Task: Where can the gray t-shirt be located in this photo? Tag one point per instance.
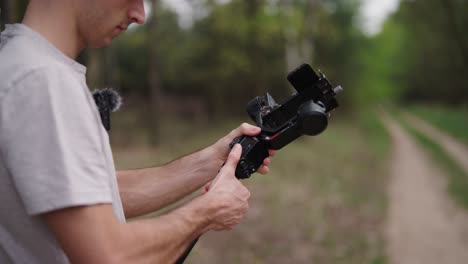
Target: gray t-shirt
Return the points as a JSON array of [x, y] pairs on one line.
[[54, 151]]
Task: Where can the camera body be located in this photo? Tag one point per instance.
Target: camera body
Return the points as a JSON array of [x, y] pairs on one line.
[[304, 113]]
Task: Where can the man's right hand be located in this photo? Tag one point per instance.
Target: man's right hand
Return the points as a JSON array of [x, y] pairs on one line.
[[228, 194]]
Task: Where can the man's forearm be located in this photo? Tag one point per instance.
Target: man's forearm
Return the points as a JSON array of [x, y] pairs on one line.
[[174, 233], [146, 190], [92, 234]]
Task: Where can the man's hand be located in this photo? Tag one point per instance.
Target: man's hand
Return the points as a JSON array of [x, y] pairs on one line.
[[222, 146], [228, 193]]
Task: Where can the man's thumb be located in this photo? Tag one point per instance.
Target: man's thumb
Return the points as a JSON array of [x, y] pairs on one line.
[[233, 158]]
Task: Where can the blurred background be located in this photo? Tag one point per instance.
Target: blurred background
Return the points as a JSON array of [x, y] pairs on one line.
[[188, 73]]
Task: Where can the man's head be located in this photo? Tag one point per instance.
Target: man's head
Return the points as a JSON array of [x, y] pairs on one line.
[[73, 25], [99, 21]]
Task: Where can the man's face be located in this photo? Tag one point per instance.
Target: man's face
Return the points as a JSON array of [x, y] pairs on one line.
[[100, 21]]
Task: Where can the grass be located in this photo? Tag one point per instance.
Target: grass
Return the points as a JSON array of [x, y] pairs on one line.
[[323, 202], [376, 133], [458, 180], [452, 121]]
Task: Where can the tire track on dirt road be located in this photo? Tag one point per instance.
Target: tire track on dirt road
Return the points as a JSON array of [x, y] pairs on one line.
[[455, 149], [423, 225]]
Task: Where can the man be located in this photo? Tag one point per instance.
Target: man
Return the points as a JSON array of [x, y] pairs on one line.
[[62, 200]]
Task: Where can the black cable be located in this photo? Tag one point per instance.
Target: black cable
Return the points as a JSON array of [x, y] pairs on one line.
[[182, 258]]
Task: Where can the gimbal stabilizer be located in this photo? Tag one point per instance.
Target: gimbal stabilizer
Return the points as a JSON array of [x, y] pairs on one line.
[[304, 113]]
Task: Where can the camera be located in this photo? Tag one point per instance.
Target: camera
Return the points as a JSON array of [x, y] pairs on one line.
[[306, 112]]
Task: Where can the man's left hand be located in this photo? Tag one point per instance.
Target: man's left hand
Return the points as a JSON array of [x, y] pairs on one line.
[[222, 146]]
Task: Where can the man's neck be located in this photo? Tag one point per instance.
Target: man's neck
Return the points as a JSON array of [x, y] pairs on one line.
[[55, 26]]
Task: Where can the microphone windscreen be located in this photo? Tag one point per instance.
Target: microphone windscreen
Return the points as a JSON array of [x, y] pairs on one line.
[[107, 99]]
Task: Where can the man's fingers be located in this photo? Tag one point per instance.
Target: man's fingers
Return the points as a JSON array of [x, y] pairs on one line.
[[272, 152], [249, 130], [246, 129], [263, 169]]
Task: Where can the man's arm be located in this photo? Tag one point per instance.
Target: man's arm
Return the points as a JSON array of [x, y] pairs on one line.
[[92, 234], [147, 190]]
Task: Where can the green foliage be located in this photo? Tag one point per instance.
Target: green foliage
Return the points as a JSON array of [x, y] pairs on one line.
[[239, 55], [375, 132], [383, 66], [421, 55], [338, 41], [11, 11], [131, 52], [438, 66], [131, 60], [452, 121]]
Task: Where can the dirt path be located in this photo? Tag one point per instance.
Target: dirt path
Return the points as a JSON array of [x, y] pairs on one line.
[[456, 150], [424, 225]]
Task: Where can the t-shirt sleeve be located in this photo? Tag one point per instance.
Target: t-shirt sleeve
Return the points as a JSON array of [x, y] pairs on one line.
[[50, 141]]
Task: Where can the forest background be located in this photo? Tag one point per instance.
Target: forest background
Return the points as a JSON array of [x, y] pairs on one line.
[[185, 82]]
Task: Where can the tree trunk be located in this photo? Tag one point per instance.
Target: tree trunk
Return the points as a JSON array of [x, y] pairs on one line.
[[256, 78], [155, 91], [455, 31], [299, 41], [101, 68], [94, 65], [310, 18], [7, 12]]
